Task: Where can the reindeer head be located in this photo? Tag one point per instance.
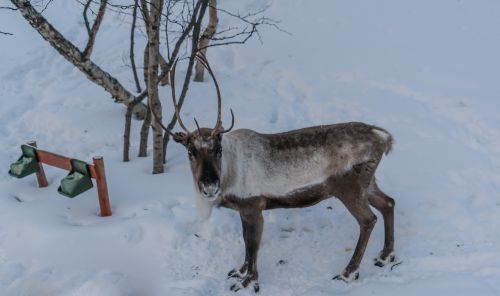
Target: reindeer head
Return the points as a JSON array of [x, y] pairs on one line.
[[204, 145], [205, 156]]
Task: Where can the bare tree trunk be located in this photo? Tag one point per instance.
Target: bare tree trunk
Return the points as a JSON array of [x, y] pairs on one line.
[[71, 53], [126, 134], [143, 144], [153, 24], [145, 62], [146, 124], [205, 38], [164, 68]]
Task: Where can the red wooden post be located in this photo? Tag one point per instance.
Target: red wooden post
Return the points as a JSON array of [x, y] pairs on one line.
[[40, 174], [102, 187]]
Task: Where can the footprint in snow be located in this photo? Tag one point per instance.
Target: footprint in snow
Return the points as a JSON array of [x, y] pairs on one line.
[[133, 234]]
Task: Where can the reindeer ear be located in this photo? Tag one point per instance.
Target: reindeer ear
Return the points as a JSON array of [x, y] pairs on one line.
[[180, 137]]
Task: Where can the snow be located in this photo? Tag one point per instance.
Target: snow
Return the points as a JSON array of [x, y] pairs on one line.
[[427, 71]]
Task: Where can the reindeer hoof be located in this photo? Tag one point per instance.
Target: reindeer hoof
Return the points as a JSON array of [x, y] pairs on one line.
[[241, 285], [249, 280], [237, 273], [234, 273], [353, 276], [380, 262], [256, 288], [235, 287]]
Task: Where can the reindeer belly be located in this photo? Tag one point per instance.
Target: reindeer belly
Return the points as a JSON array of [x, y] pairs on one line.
[[299, 198]]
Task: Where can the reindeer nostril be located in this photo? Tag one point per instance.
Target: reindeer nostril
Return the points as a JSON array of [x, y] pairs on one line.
[[209, 190]]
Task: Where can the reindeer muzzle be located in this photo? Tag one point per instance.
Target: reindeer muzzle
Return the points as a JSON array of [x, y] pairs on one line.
[[210, 191]]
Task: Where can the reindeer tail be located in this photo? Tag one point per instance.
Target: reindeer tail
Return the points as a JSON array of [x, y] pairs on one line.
[[386, 138]]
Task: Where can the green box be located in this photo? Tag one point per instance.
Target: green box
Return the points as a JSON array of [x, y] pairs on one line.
[[26, 165], [77, 181]]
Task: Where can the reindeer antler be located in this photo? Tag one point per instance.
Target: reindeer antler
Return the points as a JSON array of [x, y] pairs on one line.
[[217, 129], [174, 100], [172, 85], [197, 125], [164, 128], [218, 125]]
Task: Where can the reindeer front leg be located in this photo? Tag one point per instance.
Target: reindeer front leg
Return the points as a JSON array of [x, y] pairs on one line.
[[253, 224], [240, 272]]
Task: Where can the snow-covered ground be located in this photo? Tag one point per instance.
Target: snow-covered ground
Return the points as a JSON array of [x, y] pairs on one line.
[[425, 70]]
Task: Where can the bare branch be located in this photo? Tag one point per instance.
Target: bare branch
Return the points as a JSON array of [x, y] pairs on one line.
[[132, 58], [253, 21], [95, 27], [46, 6], [145, 13], [247, 33], [8, 8], [85, 18], [205, 38]]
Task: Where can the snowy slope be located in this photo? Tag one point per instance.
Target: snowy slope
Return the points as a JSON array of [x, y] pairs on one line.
[[425, 70]]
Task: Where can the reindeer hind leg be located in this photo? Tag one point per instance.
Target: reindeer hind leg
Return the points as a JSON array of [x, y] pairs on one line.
[[366, 219], [385, 205]]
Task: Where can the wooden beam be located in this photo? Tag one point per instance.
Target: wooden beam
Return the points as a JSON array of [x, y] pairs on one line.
[[102, 187], [59, 161], [40, 174]]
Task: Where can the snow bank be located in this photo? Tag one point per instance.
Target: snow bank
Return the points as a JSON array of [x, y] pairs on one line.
[[426, 71]]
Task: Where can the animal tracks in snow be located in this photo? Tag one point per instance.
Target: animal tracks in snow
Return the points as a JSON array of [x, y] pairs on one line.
[[131, 233]]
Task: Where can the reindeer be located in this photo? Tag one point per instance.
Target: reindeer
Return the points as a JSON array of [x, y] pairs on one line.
[[251, 172]]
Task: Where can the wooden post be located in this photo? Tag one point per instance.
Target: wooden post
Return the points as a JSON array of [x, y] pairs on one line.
[[102, 187], [40, 174]]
